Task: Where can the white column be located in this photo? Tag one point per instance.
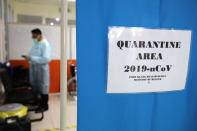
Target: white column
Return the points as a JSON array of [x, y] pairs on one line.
[[64, 37], [70, 42]]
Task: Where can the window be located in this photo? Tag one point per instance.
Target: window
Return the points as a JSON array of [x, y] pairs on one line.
[[56, 21], [72, 22], [29, 19], [52, 21]]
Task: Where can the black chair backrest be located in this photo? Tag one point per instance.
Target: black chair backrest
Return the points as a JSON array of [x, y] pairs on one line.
[[20, 77], [2, 93], [6, 80]]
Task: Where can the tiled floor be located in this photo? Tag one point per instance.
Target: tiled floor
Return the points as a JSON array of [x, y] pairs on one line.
[[52, 117]]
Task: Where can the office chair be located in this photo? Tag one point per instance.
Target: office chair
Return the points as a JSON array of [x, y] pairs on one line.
[[23, 95]]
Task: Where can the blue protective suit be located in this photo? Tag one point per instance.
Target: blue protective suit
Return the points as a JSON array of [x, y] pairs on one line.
[[40, 56]]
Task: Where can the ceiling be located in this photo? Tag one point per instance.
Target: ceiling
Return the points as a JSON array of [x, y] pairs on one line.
[[50, 2]]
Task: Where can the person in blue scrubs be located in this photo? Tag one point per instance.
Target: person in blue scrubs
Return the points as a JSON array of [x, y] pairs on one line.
[[39, 58]]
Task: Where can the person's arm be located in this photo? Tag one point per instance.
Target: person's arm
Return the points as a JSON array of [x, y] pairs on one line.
[[45, 58]]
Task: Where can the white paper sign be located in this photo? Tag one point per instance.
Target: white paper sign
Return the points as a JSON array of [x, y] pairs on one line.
[[147, 60]]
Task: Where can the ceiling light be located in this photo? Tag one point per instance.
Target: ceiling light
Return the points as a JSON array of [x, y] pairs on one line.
[[57, 19], [51, 23]]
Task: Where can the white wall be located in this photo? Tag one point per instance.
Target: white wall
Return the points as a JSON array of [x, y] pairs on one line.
[[73, 42], [20, 40]]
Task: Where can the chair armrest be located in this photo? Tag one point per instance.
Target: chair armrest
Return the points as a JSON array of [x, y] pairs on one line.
[[22, 89]]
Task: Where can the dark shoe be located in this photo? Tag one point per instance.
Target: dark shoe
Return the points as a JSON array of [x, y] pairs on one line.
[[42, 109], [44, 104]]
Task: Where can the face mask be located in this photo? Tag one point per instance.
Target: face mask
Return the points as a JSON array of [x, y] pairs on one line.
[[35, 40]]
